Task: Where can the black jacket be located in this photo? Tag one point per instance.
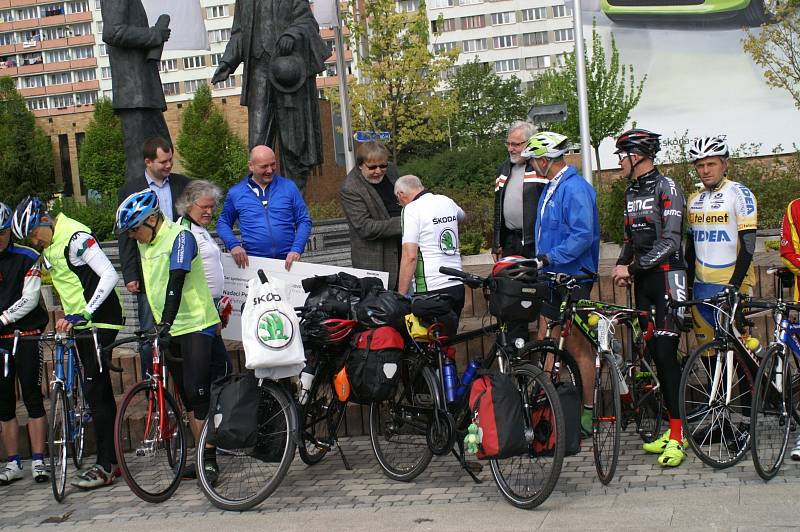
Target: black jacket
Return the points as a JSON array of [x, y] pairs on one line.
[[128, 251], [531, 190]]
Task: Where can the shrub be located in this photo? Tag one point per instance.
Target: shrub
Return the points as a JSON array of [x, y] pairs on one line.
[[99, 216]]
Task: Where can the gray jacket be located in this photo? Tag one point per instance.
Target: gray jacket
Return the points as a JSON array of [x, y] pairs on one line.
[[374, 236]]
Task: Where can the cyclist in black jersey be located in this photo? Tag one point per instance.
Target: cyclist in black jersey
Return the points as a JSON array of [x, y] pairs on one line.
[[652, 259], [20, 281]]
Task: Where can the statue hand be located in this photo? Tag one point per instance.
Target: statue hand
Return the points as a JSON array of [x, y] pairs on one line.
[[164, 33], [222, 73], [285, 45]]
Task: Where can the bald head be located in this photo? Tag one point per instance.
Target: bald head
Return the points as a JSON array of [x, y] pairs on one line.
[[262, 164]]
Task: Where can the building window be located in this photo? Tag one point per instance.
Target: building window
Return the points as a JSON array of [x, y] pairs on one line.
[[36, 103], [85, 52], [57, 56], [30, 82], [227, 84], [506, 17], [440, 4], [191, 86], [534, 39], [80, 6], [561, 11], [504, 41], [469, 2], [215, 59], [537, 63], [89, 74], [103, 50], [78, 30], [98, 5], [216, 11], [59, 78], [474, 45], [219, 35], [31, 59], [27, 13], [169, 65], [564, 35], [171, 89], [105, 72], [196, 61], [51, 10], [506, 65], [6, 39], [475, 21], [61, 101], [85, 98], [55, 32], [534, 13], [443, 25], [442, 47], [407, 6], [99, 26], [7, 15]]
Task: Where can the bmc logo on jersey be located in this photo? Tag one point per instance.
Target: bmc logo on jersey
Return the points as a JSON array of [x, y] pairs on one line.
[[749, 202], [711, 236], [645, 204]]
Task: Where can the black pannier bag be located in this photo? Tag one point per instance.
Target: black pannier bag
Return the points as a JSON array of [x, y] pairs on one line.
[[515, 300], [436, 307], [373, 366], [382, 307], [336, 294], [233, 411]]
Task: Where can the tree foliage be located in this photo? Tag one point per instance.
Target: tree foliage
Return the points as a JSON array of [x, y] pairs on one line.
[[776, 49], [398, 75], [611, 88], [486, 103], [207, 146], [26, 157], [102, 159]]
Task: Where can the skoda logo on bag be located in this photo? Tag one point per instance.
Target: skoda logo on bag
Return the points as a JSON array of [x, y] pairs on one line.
[[275, 329]]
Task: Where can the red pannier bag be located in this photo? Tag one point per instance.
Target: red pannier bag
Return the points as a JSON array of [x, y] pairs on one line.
[[497, 411]]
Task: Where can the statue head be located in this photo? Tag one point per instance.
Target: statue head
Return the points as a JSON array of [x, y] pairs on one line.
[[287, 73]]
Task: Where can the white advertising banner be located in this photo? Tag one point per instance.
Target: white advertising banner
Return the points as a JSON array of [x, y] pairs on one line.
[[186, 23], [236, 283]]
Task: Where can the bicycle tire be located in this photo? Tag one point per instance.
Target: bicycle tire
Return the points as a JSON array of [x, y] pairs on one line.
[[146, 456], [606, 419], [317, 420], [771, 413], [249, 475], [717, 432], [648, 402], [58, 440], [80, 415], [398, 426], [517, 477], [569, 371]]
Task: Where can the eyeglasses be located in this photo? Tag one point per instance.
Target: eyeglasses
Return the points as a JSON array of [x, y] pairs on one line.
[[516, 145], [382, 166], [622, 156], [205, 207]]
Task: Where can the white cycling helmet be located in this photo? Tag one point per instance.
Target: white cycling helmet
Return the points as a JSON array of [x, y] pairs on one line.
[[5, 217], [708, 147], [546, 145]]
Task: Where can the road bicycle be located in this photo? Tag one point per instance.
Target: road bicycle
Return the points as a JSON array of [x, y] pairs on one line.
[[151, 427], [776, 394]]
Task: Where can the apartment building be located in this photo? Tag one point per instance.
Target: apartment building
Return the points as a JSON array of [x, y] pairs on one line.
[[516, 37]]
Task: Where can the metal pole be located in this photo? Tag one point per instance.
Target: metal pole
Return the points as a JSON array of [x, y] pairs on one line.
[[583, 104], [344, 99]]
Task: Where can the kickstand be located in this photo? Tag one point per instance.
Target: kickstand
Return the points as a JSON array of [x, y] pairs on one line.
[[344, 458], [461, 457]]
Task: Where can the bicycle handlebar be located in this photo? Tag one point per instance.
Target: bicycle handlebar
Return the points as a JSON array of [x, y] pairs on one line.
[[469, 279]]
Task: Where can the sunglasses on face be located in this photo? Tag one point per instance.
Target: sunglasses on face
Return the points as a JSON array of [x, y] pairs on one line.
[[382, 166]]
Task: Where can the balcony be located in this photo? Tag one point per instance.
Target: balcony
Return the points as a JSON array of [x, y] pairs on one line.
[[84, 16], [22, 3], [33, 91], [83, 63], [81, 86], [6, 26], [30, 69], [8, 49], [49, 44], [20, 47], [7, 71], [30, 23], [80, 39]]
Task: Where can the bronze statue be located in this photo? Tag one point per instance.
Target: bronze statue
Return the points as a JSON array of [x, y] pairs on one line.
[[278, 41]]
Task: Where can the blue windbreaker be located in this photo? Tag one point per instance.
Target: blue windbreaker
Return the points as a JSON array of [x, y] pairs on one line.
[[569, 232], [272, 232]]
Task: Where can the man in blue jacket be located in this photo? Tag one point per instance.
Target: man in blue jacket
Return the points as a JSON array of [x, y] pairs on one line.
[[273, 218], [567, 241]]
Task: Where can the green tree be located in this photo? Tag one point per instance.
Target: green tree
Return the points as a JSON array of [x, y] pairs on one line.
[[776, 49], [208, 148], [26, 157], [102, 159], [611, 88], [398, 76], [486, 102]]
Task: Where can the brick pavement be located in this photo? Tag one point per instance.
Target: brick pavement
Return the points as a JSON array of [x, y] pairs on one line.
[[328, 486]]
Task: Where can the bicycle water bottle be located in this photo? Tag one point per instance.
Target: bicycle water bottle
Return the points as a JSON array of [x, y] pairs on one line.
[[467, 378], [306, 377], [754, 346], [449, 380]]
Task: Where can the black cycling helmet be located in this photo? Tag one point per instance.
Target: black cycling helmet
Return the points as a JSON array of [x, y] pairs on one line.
[[639, 141]]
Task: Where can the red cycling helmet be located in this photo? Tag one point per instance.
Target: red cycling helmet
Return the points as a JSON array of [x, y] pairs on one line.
[[515, 267], [338, 330]]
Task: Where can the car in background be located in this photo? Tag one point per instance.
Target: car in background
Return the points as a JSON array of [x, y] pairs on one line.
[[750, 12]]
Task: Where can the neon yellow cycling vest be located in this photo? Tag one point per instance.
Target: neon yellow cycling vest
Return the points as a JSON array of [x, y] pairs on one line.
[[197, 310], [75, 284]]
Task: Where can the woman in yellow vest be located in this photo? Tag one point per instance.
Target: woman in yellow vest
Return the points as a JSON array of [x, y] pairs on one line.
[[85, 280], [179, 297]]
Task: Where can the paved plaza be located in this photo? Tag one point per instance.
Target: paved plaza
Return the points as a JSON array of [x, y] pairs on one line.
[[329, 497]]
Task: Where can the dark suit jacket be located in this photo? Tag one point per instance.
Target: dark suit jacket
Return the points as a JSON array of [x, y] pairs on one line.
[[374, 236], [128, 250], [135, 82]]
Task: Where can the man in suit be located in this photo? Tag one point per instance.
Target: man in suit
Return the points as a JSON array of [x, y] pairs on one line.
[[138, 98], [373, 213], [157, 175], [278, 41]]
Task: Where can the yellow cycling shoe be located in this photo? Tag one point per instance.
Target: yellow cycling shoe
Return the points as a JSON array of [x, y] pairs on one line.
[[673, 455], [658, 445]]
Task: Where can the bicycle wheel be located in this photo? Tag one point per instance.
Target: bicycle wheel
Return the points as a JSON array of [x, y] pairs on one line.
[[542, 356], [606, 418], [648, 402], [320, 419], [398, 426], [714, 402], [772, 412], [150, 444], [80, 418], [58, 440], [527, 481], [249, 475]]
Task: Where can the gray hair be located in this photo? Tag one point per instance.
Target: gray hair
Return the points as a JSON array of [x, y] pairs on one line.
[[196, 189], [527, 128], [407, 183]]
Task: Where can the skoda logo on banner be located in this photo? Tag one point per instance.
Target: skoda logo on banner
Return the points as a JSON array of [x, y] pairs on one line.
[[275, 329]]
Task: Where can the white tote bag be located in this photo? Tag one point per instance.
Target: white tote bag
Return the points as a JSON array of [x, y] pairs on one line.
[[271, 331]]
